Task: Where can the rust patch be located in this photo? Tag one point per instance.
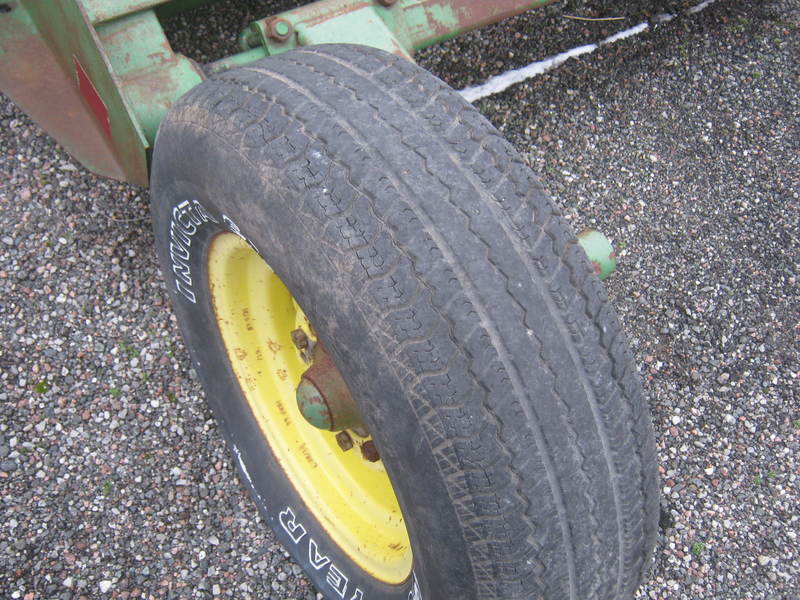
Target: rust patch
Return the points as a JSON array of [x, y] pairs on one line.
[[34, 79], [282, 374], [274, 346], [248, 320], [281, 408], [307, 455], [240, 353]]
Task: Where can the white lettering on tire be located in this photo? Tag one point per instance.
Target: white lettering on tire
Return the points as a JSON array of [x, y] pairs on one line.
[[186, 217], [334, 577], [295, 530]]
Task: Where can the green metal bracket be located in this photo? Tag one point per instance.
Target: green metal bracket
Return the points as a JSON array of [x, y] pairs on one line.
[[152, 76]]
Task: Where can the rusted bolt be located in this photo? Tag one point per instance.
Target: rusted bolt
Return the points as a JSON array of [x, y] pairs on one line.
[[251, 39], [299, 339], [369, 451], [386, 2], [344, 440], [279, 29]]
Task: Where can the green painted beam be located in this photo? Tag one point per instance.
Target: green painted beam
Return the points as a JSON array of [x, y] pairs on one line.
[[401, 27], [101, 11]]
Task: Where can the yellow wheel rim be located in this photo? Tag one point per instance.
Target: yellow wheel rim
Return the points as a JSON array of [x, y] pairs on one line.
[[352, 498]]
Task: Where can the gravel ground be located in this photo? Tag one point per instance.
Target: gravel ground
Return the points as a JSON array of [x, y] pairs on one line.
[[681, 144]]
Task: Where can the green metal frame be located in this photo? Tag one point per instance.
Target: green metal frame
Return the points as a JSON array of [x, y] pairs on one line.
[[99, 75], [95, 76], [400, 26]]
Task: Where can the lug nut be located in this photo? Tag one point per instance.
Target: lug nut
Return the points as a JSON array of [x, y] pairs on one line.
[[299, 339], [369, 451], [344, 440]]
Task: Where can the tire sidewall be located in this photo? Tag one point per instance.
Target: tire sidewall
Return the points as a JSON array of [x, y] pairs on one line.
[[214, 189]]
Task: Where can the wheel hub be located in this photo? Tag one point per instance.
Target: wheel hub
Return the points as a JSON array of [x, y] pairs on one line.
[[323, 397]]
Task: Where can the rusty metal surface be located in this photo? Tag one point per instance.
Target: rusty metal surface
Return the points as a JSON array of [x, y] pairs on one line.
[[152, 77], [101, 92], [114, 82], [427, 22], [323, 397], [33, 78], [66, 36]]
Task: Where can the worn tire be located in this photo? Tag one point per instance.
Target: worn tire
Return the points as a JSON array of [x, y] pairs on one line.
[[478, 343]]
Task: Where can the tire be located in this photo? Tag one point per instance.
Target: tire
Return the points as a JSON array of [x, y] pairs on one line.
[[473, 334]]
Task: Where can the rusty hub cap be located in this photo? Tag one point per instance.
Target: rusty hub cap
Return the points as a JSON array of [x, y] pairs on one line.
[[322, 395]]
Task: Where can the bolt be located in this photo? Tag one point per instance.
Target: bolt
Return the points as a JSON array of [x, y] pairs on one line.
[[369, 451], [300, 339], [386, 2], [344, 440], [279, 29]]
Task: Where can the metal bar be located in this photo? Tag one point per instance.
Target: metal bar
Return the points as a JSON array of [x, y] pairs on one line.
[[428, 22], [400, 26], [101, 11]]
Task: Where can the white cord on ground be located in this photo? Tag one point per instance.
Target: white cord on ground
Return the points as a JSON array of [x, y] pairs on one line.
[[699, 7], [502, 82]]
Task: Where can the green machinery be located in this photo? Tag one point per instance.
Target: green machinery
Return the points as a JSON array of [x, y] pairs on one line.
[[486, 351], [99, 75]]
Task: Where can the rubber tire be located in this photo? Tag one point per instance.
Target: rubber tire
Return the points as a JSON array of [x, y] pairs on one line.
[[478, 343]]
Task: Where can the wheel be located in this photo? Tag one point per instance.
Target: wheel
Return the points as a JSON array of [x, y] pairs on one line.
[[336, 222]]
